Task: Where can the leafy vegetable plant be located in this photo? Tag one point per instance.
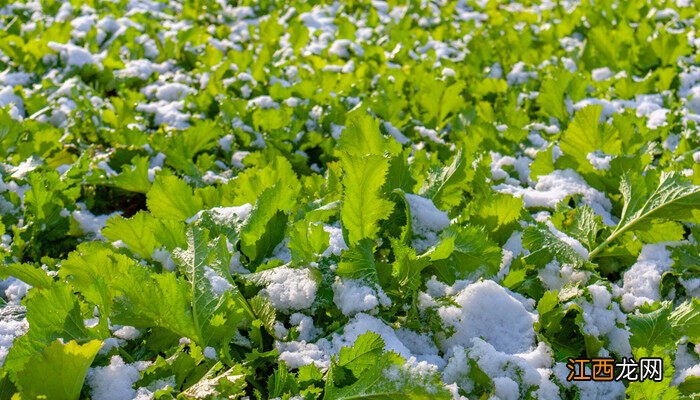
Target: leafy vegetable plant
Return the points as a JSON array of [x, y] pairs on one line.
[[204, 199]]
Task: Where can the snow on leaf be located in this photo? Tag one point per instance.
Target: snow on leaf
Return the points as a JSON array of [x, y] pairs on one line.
[[544, 246], [209, 310]]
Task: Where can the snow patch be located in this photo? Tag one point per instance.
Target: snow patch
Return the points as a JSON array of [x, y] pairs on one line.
[[552, 188], [116, 380], [640, 283], [427, 221], [289, 288], [489, 311], [353, 296]]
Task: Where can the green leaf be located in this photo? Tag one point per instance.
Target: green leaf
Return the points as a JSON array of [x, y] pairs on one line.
[[136, 232], [250, 184], [690, 386], [307, 240], [552, 92], [665, 325], [266, 120], [673, 199], [559, 323], [358, 262], [650, 389], [148, 300], [660, 231], [687, 258], [134, 177], [171, 198], [58, 371], [44, 203], [651, 329], [309, 373], [169, 232], [361, 136], [10, 131], [451, 101], [399, 175], [281, 382], [363, 354], [264, 311], [446, 189], [685, 320], [63, 321], [212, 313], [490, 85], [407, 267], [543, 164], [586, 226], [27, 273], [93, 270], [585, 134], [669, 47], [544, 246], [363, 207], [474, 255], [498, 213], [181, 149], [369, 366], [374, 384], [265, 226]]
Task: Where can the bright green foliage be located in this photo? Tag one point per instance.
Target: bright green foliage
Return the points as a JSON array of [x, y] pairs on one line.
[[586, 226], [28, 274], [673, 199], [137, 232], [652, 329], [466, 252], [306, 240], [95, 271], [134, 178], [650, 389], [266, 225], [363, 207], [213, 315], [553, 93], [362, 372], [447, 188], [586, 134], [544, 246], [64, 321], [154, 300], [358, 262], [171, 198], [297, 199], [361, 136], [58, 371]]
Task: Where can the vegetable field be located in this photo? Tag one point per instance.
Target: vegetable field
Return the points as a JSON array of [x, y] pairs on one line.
[[202, 199]]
